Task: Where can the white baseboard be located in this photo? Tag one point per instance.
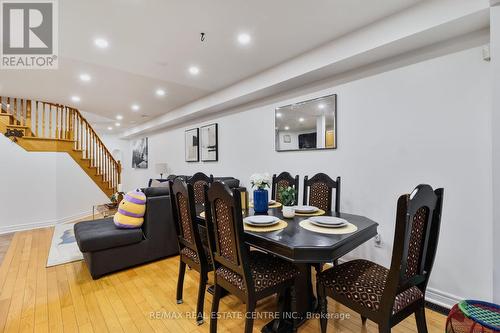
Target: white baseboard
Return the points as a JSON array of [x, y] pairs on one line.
[[441, 298], [44, 224]]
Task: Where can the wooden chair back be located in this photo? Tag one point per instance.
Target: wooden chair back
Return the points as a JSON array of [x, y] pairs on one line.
[[318, 192], [282, 181], [418, 222], [225, 231], [199, 180], [184, 213]]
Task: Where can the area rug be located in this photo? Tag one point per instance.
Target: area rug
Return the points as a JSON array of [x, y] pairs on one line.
[[63, 248]]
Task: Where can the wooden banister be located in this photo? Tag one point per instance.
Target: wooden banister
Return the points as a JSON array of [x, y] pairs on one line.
[[55, 121]]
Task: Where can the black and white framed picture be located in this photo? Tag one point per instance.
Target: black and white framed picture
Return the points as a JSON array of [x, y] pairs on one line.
[[209, 143], [140, 153], [192, 145]]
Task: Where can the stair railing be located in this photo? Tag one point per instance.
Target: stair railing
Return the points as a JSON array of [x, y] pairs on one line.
[[60, 122]]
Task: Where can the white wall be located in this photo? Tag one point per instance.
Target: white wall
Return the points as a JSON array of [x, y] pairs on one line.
[[41, 189], [425, 123], [495, 75]]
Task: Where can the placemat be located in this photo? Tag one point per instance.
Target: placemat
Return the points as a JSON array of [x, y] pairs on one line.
[[350, 228], [278, 226], [274, 205], [318, 213]]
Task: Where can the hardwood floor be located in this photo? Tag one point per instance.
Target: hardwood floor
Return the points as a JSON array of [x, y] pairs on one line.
[[65, 298], [4, 244]]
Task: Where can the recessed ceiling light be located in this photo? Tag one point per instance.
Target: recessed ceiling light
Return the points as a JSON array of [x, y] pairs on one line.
[[244, 39], [119, 117], [193, 70], [160, 92], [321, 106], [135, 107], [278, 115], [110, 128], [101, 43], [85, 77], [75, 99], [301, 119], [287, 128], [117, 124]]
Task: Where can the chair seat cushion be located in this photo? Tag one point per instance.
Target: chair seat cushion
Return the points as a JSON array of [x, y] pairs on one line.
[[191, 254], [102, 234], [363, 281], [267, 271]]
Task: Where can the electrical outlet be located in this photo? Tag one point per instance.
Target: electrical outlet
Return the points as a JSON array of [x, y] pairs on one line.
[[378, 240]]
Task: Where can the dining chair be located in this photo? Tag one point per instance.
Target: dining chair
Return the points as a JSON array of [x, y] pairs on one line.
[[318, 192], [199, 180], [283, 181], [249, 275], [191, 249], [387, 296]]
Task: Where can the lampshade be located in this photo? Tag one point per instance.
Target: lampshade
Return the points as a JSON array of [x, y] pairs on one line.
[[161, 168]]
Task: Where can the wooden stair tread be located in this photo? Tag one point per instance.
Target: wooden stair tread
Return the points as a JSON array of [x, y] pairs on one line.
[[48, 139], [18, 126]]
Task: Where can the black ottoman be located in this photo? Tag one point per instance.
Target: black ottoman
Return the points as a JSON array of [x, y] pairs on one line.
[[108, 249], [102, 234]]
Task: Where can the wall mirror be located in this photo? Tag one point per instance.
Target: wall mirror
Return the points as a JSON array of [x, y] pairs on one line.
[[307, 125]]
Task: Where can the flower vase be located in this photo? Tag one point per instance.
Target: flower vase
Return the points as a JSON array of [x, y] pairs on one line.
[[260, 201]]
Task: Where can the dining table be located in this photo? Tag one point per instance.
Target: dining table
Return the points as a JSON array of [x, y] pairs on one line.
[[306, 249]]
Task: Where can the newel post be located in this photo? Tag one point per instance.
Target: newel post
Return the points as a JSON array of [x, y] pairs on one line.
[[119, 172]]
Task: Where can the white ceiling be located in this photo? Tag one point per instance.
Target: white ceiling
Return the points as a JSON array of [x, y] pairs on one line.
[[152, 43]]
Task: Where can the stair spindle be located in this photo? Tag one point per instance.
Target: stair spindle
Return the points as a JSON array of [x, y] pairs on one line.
[[28, 115], [50, 121], [36, 118], [101, 157], [15, 109]]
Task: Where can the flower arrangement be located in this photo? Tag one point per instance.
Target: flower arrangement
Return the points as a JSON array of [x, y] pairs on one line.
[[116, 197], [287, 196], [260, 181]]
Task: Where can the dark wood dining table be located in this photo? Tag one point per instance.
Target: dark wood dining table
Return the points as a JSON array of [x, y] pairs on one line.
[[307, 249]]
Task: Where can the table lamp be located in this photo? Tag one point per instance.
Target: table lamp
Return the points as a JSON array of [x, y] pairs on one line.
[[161, 168]]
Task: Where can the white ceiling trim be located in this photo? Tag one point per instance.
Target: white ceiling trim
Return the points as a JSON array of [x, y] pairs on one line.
[[418, 27]]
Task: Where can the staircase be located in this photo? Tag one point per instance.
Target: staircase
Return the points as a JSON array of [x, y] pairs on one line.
[[48, 127]]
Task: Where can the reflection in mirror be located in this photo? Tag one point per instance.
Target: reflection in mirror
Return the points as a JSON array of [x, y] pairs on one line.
[[307, 125]]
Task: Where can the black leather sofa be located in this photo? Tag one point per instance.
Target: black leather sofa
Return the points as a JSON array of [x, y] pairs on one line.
[[107, 249], [229, 181]]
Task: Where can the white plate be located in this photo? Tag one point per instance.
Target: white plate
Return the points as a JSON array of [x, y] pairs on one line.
[[306, 209], [328, 220], [328, 225], [262, 224], [261, 219]]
